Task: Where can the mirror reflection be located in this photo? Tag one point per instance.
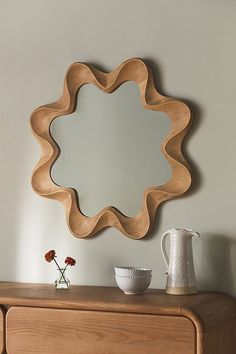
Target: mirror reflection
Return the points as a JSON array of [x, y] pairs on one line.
[[110, 149]]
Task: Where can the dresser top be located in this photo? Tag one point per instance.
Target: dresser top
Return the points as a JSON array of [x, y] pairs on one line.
[[202, 308]]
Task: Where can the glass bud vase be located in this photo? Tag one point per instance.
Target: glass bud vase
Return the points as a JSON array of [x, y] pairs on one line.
[[62, 282]]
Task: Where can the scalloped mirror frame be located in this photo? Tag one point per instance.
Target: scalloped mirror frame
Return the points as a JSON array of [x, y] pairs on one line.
[[80, 74]]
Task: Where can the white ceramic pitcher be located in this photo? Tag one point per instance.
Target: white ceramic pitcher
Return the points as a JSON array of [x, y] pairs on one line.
[[180, 269]]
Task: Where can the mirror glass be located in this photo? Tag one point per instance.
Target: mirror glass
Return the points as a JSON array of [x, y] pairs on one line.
[[110, 149]]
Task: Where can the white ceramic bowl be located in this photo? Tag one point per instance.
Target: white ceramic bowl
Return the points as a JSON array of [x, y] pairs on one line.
[[132, 280]]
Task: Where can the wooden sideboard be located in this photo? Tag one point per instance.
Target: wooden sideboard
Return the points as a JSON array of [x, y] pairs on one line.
[[38, 319]]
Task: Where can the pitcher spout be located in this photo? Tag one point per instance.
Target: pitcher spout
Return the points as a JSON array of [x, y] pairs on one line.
[[192, 232]]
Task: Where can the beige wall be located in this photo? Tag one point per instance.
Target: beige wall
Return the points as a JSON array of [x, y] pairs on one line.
[[192, 43]]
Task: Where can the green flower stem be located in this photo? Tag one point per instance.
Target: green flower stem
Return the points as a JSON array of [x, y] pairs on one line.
[[62, 273]]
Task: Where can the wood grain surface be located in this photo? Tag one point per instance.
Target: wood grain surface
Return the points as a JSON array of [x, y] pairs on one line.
[[219, 340], [51, 331], [213, 315], [206, 309], [140, 225]]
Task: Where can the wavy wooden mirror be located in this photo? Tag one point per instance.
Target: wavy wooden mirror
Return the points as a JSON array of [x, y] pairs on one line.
[[85, 178]]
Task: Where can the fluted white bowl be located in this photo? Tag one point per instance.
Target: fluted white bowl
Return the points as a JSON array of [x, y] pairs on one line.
[[132, 280]]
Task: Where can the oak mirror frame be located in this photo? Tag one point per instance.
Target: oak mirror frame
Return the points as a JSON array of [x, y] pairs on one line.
[[78, 75]]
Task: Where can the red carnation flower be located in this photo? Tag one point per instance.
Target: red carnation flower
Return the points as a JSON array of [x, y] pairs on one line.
[[70, 261], [50, 255]]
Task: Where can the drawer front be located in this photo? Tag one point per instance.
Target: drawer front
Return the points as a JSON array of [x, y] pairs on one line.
[[55, 331], [1, 330]]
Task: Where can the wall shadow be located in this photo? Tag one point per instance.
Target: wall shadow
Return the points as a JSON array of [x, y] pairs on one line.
[[216, 268]]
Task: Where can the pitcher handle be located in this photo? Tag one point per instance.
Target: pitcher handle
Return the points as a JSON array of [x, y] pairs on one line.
[[163, 250]]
